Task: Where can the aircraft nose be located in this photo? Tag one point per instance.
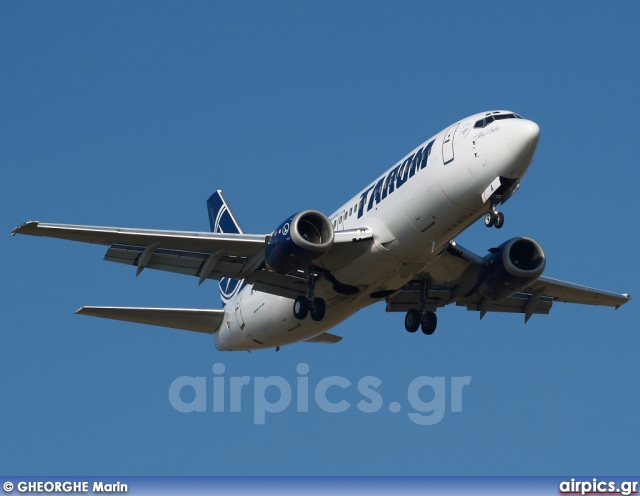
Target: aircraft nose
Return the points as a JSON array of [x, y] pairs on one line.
[[522, 137]]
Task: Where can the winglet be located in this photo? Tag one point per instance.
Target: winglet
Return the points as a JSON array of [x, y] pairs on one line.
[[627, 296], [25, 228]]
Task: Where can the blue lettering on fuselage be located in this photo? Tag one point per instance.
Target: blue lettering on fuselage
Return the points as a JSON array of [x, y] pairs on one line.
[[394, 179]]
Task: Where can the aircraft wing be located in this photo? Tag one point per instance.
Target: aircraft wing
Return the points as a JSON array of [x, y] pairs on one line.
[[453, 280], [204, 255], [568, 292]]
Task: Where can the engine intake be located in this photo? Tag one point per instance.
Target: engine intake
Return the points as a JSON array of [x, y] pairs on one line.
[[511, 267], [299, 241]]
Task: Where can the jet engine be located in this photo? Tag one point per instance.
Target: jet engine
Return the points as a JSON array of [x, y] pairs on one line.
[[511, 267], [299, 241]]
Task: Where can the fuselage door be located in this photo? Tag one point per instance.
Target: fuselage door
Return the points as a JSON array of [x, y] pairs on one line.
[[447, 144]]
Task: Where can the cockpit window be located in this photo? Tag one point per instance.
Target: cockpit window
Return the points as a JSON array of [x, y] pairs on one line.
[[498, 117]]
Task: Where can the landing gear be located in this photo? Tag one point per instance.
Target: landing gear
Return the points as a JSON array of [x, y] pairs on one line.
[[429, 322], [423, 318], [489, 219], [309, 303], [318, 308], [493, 218], [301, 307], [412, 320]]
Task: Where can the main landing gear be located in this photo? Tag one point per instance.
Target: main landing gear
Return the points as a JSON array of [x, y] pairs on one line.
[[423, 318], [304, 305], [426, 319], [493, 218]]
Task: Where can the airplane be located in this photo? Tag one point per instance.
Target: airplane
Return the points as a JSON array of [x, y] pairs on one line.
[[393, 242]]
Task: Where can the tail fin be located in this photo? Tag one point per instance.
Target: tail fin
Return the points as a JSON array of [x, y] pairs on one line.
[[220, 216], [222, 220]]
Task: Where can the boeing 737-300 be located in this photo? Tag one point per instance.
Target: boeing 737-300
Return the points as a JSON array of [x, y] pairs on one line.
[[392, 242]]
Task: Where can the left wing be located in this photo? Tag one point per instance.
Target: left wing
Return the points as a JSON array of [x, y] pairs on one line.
[[454, 278]]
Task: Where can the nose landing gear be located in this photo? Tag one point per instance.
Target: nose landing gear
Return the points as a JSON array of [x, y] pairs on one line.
[[493, 218]]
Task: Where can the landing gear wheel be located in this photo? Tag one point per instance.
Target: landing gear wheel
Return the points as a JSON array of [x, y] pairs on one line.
[[489, 219], [499, 220], [318, 309], [412, 320], [429, 323], [300, 307]]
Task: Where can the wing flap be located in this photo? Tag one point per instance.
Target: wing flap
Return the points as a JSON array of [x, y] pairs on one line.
[[188, 319], [407, 298], [181, 262], [512, 304]]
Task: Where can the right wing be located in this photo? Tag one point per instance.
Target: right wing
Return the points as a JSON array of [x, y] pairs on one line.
[[202, 254], [207, 255]]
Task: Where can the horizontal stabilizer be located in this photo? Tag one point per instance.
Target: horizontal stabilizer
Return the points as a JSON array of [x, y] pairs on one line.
[[325, 337], [188, 319]]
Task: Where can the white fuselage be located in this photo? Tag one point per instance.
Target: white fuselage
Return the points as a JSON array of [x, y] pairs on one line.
[[411, 224]]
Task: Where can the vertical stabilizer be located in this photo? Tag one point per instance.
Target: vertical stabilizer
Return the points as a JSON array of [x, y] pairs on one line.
[[222, 220]]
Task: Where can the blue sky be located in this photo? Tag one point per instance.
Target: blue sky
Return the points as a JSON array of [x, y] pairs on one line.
[[131, 114]]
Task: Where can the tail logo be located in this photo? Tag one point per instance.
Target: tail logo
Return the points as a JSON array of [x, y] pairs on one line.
[[222, 221]]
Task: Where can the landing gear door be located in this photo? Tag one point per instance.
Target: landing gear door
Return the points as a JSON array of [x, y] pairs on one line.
[[447, 144]]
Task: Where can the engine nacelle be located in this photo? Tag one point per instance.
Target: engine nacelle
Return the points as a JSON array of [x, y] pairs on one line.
[[511, 267], [299, 241]]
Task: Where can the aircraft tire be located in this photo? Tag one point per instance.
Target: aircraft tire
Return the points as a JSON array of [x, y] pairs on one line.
[[412, 320], [318, 309], [429, 323], [300, 307], [488, 219]]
